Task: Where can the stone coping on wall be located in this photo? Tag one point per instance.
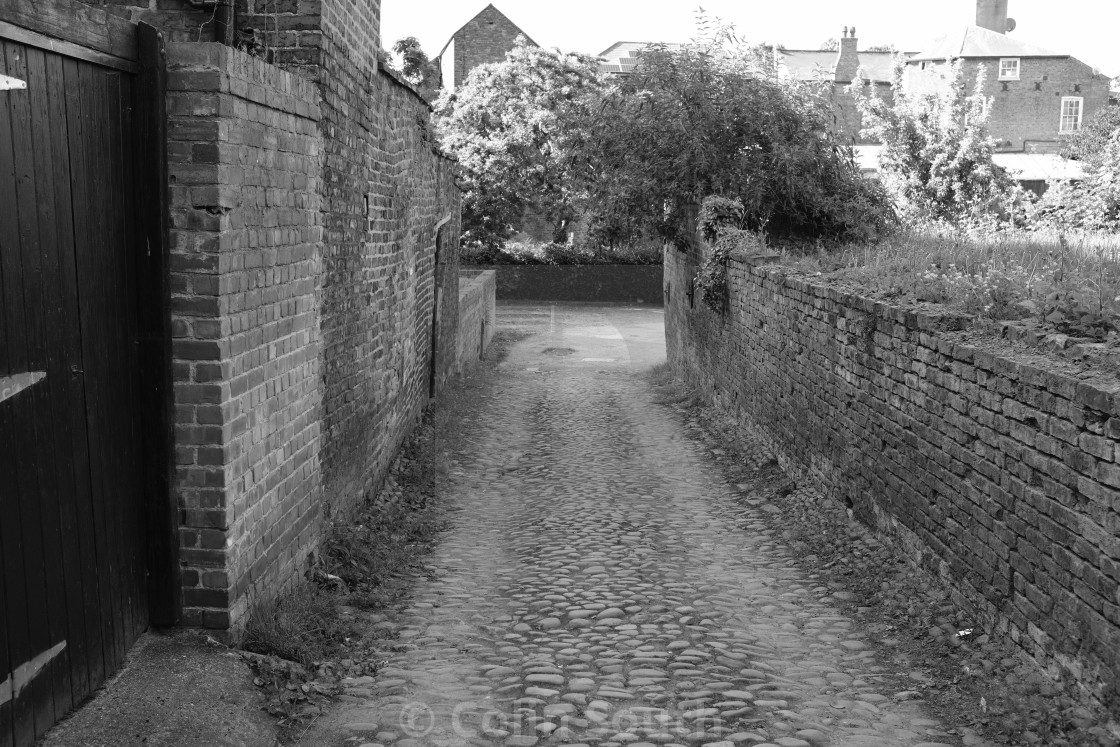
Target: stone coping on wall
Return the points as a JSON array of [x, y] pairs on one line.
[[1077, 358]]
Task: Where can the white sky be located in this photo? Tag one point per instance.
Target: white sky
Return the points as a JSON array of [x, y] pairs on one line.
[[1086, 29]]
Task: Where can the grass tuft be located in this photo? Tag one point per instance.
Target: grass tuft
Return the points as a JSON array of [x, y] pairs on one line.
[[300, 625]]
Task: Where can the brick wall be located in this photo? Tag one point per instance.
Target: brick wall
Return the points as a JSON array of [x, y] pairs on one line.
[[994, 467], [379, 270], [477, 315], [245, 157], [176, 18], [315, 260], [486, 38], [1025, 112]]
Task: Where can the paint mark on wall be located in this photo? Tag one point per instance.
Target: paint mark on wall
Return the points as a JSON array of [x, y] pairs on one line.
[[24, 673]]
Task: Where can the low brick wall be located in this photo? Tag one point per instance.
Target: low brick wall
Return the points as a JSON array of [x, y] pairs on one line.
[[603, 283], [992, 466], [476, 316]]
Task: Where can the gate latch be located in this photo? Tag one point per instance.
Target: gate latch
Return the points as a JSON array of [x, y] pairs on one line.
[[8, 83]]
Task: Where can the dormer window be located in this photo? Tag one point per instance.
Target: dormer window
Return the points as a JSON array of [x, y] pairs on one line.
[[1009, 68]]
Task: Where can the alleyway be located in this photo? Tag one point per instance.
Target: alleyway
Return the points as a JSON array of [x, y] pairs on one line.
[[602, 586]]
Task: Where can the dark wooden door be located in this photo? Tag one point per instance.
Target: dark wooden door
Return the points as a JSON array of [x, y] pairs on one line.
[[73, 565]]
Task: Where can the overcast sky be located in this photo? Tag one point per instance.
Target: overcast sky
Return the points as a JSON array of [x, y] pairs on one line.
[[1087, 29]]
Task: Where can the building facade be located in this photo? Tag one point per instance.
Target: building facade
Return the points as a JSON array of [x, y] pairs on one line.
[[1038, 96], [485, 38]]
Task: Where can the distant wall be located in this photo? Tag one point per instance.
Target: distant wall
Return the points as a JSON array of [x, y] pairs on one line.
[[477, 315], [995, 468], [602, 283]]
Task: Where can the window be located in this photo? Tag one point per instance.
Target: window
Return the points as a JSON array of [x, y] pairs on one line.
[[1071, 113], [1009, 68]]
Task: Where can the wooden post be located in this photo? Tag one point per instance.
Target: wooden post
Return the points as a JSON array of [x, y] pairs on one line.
[[162, 515]]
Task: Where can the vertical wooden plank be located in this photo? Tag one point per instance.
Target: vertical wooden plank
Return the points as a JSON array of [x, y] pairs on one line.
[[11, 630], [120, 415], [66, 390], [82, 181], [154, 298], [52, 457], [34, 708], [93, 295]]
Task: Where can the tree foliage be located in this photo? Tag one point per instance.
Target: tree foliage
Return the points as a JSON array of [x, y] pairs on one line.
[[1092, 139], [1094, 202], [937, 152], [520, 129], [713, 118], [416, 68]]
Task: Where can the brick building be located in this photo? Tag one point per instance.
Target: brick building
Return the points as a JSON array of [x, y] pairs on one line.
[[1038, 95], [485, 38]]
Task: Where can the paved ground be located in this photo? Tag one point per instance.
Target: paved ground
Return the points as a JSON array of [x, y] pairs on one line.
[[602, 586], [175, 690]]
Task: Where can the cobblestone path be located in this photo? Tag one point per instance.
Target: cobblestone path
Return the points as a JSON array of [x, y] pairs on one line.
[[602, 586]]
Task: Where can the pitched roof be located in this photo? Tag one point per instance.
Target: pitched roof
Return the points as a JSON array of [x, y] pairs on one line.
[[490, 6], [622, 57], [976, 41], [807, 64]]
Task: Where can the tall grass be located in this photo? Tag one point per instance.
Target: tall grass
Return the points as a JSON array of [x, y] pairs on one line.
[[1058, 278]]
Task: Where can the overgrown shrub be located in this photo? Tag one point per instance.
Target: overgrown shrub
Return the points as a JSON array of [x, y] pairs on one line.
[[519, 129], [532, 253], [1092, 204], [709, 119], [936, 160]]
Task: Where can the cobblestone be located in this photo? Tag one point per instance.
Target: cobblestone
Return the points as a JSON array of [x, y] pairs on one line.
[[602, 586]]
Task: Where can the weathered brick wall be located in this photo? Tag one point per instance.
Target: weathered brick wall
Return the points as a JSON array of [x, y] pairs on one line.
[[176, 18], [477, 315], [316, 286], [1027, 111], [386, 191], [245, 157], [486, 38], [990, 466]]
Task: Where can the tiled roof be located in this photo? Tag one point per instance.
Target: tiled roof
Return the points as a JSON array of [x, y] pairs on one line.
[[808, 64], [980, 42]]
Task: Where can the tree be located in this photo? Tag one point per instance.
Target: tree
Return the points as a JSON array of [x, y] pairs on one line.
[[1094, 202], [416, 68], [519, 129], [831, 44], [937, 152], [1092, 139], [714, 119]]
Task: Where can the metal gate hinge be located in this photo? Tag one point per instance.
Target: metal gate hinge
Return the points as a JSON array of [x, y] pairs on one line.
[[8, 83]]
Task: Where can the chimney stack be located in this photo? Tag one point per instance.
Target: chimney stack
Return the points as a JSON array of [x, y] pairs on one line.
[[992, 15], [847, 64]]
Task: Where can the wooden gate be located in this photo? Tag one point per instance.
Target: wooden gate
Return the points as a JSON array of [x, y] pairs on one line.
[[82, 398]]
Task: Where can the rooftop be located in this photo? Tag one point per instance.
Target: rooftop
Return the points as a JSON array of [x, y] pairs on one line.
[[809, 64], [980, 42]]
